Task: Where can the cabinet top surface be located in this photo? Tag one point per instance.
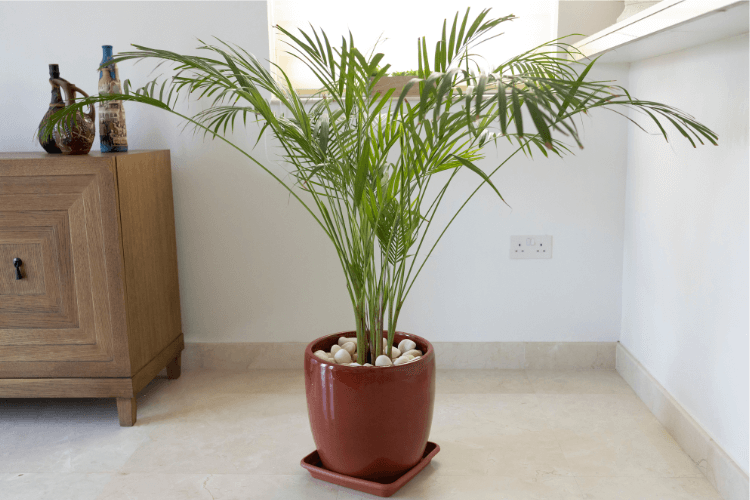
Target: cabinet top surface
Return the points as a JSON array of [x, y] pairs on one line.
[[41, 155]]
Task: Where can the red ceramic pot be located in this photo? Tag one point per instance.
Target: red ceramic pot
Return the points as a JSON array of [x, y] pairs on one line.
[[370, 422]]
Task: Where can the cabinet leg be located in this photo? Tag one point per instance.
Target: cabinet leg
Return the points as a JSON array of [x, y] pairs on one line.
[[126, 410], [174, 368]]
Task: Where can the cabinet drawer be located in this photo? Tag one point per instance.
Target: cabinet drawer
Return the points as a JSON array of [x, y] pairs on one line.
[[44, 297], [62, 225]]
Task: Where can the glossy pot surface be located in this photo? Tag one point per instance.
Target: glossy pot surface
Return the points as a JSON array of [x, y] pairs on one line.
[[370, 422]]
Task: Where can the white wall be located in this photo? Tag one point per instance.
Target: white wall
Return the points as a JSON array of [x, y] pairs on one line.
[[254, 267], [685, 284], [471, 290]]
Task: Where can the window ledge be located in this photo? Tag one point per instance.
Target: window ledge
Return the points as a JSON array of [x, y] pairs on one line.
[[668, 26]]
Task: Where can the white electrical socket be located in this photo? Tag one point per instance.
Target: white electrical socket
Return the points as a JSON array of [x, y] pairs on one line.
[[531, 247]]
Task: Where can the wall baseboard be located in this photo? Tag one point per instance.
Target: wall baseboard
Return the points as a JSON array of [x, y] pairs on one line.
[[721, 471], [450, 355]]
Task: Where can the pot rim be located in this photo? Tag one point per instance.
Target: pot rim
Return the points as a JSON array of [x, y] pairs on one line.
[[426, 356]]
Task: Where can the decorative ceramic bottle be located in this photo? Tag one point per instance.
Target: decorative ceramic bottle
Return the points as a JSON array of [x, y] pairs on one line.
[[113, 136], [77, 136], [55, 104]]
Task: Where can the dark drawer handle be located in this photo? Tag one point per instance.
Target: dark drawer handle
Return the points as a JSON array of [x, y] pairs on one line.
[[17, 263]]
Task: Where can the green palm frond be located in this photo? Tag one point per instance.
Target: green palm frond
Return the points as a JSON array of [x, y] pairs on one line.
[[371, 169]]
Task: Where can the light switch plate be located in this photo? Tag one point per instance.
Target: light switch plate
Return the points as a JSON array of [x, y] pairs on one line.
[[531, 247]]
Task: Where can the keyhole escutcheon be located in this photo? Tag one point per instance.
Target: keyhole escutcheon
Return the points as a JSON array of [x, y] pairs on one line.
[[17, 264]]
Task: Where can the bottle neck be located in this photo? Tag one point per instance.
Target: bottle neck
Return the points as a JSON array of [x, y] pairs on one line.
[[56, 97], [106, 57], [106, 53]]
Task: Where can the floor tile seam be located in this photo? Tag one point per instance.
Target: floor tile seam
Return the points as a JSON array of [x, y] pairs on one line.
[[578, 485], [301, 474], [589, 393], [463, 393], [530, 476], [562, 370], [515, 476], [438, 369], [582, 476], [567, 460], [37, 472], [56, 473]]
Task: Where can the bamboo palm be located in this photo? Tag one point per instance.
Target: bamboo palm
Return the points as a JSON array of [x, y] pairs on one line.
[[372, 170]]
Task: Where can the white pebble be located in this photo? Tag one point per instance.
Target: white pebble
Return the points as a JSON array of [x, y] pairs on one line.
[[395, 353], [383, 360], [402, 360], [406, 345], [350, 346], [415, 358], [322, 355], [367, 364], [343, 357], [414, 352], [354, 364], [344, 340], [335, 349]]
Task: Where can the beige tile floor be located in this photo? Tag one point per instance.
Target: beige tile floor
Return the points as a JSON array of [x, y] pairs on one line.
[[220, 435]]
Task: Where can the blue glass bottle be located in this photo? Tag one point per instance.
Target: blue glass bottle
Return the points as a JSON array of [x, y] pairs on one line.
[[113, 136]]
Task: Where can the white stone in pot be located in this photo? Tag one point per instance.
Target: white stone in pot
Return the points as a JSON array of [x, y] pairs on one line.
[[402, 360], [354, 364], [351, 347], [414, 352], [406, 345], [344, 340], [383, 360], [367, 364], [335, 349], [395, 353], [415, 358], [343, 357], [322, 355]]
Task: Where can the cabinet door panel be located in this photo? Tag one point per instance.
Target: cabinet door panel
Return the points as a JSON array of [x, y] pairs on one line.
[[44, 297], [68, 305]]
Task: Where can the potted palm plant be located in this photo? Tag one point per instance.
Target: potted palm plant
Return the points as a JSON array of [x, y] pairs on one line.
[[372, 169]]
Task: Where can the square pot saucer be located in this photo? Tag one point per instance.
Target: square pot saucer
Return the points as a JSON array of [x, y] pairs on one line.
[[312, 463]]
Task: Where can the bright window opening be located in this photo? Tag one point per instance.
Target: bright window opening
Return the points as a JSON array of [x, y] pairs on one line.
[[399, 23]]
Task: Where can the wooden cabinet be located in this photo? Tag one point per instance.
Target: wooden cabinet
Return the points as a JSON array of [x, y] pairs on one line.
[[96, 311]]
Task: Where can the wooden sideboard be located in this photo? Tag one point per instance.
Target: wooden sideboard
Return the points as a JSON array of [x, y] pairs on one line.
[[96, 311]]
